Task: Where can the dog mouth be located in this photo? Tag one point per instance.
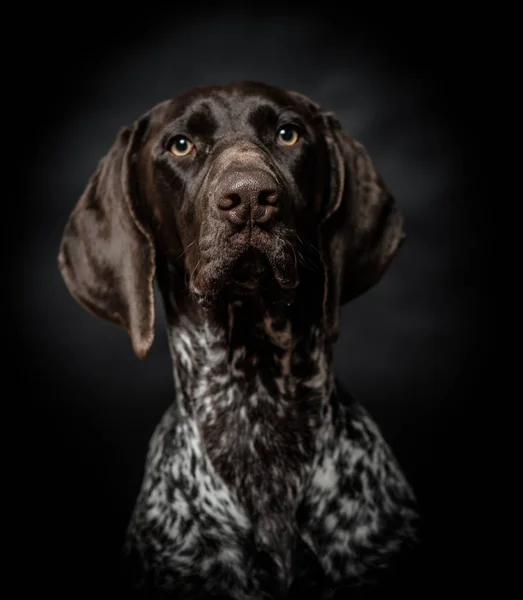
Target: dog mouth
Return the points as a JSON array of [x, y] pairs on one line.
[[247, 263], [251, 272]]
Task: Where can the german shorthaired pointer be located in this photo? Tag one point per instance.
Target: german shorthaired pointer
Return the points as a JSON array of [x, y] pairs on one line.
[[259, 216]]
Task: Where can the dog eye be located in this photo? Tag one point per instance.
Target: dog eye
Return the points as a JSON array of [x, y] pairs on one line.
[[181, 146], [288, 135]]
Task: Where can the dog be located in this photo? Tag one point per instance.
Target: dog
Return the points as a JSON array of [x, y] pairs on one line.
[[259, 216]]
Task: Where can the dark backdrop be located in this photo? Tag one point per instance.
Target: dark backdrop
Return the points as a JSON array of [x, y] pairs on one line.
[[407, 349]]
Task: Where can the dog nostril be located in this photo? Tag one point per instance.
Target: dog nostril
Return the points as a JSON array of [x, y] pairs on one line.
[[264, 213], [268, 197], [229, 201]]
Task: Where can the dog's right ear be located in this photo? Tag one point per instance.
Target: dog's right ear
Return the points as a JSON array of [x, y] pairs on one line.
[[107, 254]]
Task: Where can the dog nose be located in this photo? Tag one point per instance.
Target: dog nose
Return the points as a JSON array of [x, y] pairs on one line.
[[248, 195]]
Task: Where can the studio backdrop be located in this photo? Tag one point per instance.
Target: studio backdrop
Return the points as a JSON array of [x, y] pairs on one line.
[[402, 345]]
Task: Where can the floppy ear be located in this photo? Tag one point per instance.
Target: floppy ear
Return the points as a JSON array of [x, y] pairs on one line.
[[362, 229], [107, 255]]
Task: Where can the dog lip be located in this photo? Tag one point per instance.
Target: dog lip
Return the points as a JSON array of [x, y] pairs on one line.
[[246, 289]]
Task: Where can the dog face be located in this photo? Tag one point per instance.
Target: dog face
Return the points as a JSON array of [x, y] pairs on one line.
[[234, 177], [236, 186]]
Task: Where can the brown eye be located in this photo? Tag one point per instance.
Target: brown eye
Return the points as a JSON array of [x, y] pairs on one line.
[[287, 135], [181, 146]]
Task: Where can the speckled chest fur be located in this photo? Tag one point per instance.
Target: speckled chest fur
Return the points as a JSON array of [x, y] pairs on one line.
[[263, 474]]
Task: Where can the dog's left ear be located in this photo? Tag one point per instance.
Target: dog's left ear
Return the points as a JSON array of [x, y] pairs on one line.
[[362, 228]]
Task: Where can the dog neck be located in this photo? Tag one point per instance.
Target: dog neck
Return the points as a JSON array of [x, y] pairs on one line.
[[256, 379]]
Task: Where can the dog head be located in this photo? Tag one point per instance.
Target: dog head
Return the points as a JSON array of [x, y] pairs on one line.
[[239, 187]]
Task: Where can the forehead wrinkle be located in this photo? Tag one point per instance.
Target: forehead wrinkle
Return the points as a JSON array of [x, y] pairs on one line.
[[212, 113], [263, 116], [219, 111], [201, 120]]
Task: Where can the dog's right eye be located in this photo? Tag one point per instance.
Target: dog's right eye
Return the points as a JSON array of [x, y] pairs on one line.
[[181, 146]]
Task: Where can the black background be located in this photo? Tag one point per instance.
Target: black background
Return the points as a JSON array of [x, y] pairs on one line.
[[409, 348]]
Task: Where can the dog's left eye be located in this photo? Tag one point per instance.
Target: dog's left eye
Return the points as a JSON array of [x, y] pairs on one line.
[[181, 146], [288, 135]]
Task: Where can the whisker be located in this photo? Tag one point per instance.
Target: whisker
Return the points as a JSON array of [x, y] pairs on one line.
[[185, 250], [308, 244], [193, 271], [293, 251], [299, 239], [302, 259], [314, 248], [308, 262], [306, 259]]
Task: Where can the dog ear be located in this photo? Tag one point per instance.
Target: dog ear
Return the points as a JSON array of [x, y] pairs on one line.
[[107, 254], [362, 228]]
